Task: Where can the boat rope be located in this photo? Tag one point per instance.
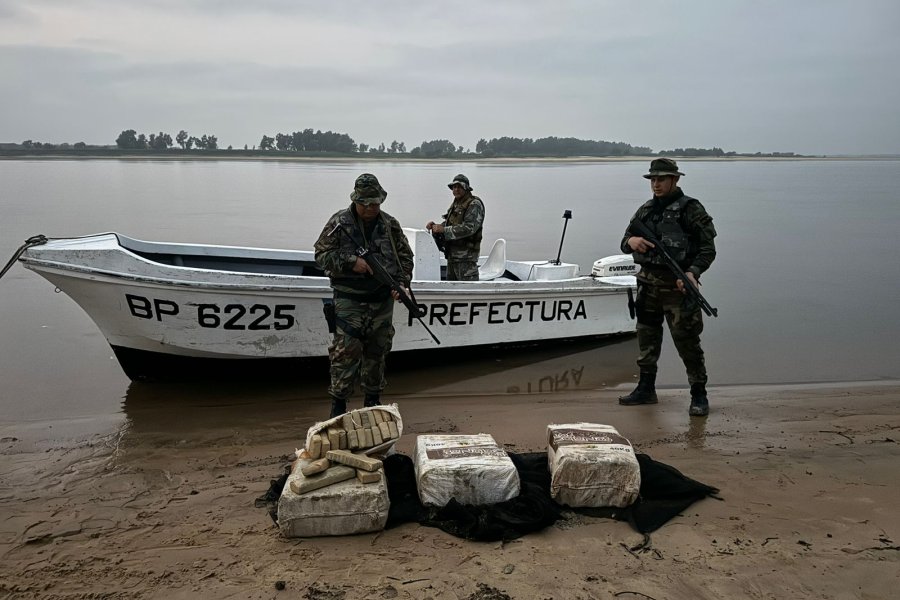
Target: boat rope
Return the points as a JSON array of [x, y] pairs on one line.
[[35, 240]]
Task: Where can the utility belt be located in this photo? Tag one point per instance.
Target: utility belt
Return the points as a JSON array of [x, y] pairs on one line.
[[335, 321], [379, 295], [637, 302], [467, 245], [661, 279]]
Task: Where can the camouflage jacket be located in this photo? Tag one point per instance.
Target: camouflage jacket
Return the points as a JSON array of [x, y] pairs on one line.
[[698, 229], [384, 238], [463, 225]]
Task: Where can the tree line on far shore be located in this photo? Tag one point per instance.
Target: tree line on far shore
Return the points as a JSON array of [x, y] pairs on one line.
[[308, 141]]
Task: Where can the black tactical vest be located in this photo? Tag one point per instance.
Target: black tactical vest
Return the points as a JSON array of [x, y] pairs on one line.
[[455, 216], [667, 227], [379, 242]]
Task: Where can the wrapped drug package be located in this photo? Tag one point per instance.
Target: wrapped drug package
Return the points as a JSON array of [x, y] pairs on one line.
[[334, 502], [471, 468], [591, 465], [341, 499], [373, 430]]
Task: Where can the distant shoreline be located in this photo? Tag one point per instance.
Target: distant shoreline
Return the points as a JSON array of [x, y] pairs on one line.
[[226, 156]]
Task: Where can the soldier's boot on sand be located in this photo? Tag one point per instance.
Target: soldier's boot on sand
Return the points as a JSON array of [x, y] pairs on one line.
[[644, 393], [699, 401], [372, 400], [338, 407]]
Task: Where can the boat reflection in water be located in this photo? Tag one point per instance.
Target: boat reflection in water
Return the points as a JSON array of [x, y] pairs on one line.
[[250, 408], [574, 366]]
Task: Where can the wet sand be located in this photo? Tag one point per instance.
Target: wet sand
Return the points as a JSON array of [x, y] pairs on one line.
[[164, 507]]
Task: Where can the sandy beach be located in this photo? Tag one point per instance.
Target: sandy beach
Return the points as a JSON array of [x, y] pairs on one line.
[[808, 507]]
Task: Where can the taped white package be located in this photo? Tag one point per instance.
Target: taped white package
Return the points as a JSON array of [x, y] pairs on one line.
[[591, 465], [343, 508], [471, 468]]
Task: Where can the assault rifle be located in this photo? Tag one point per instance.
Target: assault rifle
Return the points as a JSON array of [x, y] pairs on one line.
[[637, 227], [382, 275]]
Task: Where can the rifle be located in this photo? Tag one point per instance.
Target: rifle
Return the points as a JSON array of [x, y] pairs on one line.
[[440, 241], [382, 275], [639, 228]]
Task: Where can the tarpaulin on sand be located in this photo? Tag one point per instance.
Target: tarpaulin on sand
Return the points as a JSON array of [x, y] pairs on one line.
[[665, 492]]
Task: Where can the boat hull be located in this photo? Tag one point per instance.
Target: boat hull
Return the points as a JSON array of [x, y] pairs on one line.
[[152, 313]]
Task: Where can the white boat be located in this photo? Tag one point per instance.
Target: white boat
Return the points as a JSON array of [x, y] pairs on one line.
[[167, 309]]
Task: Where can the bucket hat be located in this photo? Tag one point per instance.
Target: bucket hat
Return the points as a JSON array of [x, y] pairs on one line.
[[460, 180], [663, 167], [367, 190]]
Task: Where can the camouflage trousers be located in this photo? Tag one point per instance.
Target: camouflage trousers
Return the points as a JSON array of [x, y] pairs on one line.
[[362, 340], [655, 304], [458, 270]]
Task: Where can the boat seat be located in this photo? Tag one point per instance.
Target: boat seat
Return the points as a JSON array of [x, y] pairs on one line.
[[495, 264]]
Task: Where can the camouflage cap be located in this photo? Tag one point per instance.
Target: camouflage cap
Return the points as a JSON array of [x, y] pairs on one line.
[[663, 167], [460, 180], [367, 190]]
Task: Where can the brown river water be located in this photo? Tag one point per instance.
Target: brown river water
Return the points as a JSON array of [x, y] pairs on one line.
[[804, 282]]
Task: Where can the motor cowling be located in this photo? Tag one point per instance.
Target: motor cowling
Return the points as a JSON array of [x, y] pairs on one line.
[[618, 264]]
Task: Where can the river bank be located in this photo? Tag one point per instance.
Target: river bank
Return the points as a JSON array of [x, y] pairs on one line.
[[244, 155], [164, 508]]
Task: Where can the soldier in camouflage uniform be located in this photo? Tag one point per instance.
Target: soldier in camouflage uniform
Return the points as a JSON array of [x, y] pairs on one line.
[[686, 230], [363, 306], [461, 231]]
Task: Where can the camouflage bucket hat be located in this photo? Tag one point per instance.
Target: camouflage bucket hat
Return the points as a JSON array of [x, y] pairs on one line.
[[460, 180], [367, 190], [662, 167]]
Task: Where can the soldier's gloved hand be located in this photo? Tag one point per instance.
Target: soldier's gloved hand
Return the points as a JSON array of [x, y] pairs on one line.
[[361, 266], [680, 284], [396, 296], [639, 244]]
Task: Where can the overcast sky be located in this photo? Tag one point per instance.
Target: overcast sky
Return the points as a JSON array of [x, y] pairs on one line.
[[809, 76]]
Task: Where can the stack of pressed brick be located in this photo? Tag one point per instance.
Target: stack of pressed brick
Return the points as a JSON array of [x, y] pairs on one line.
[[335, 487], [335, 467], [356, 430]]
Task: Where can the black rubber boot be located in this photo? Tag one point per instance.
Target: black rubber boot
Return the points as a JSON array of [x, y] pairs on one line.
[[699, 401], [372, 400], [644, 393], [338, 407]]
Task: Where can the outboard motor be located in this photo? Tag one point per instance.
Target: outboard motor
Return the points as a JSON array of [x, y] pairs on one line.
[[618, 264]]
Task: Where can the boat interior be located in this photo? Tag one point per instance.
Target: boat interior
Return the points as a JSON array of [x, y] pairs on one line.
[[430, 265], [238, 264]]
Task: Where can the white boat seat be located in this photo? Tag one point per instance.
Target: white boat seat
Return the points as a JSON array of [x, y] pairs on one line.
[[495, 264]]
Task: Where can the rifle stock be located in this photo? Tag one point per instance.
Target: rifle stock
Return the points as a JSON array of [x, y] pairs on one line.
[[639, 228]]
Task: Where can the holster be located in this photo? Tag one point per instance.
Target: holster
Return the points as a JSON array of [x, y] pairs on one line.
[[328, 309]]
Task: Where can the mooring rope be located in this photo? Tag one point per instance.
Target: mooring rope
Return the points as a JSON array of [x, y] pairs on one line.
[[35, 240]]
